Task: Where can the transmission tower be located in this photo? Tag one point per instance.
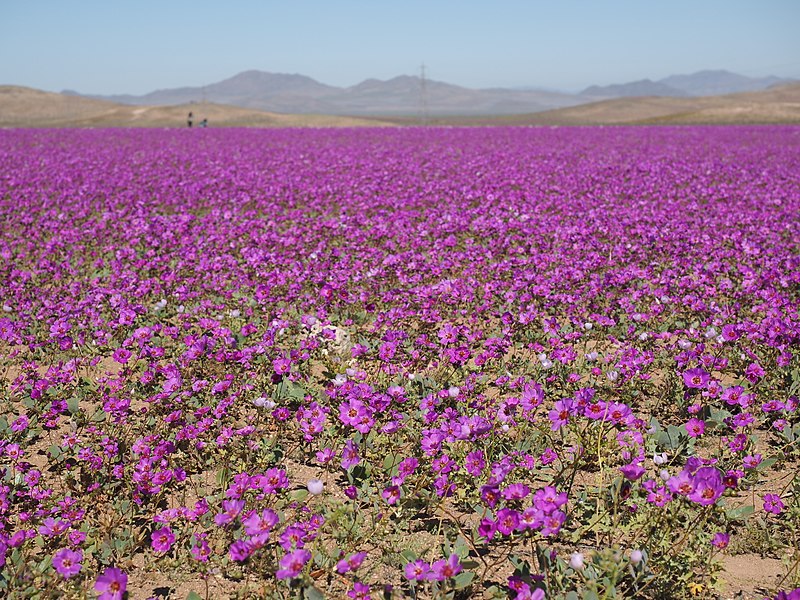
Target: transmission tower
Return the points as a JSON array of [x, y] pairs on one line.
[[423, 94]]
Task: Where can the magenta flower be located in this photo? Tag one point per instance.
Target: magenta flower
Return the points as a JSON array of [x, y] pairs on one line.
[[351, 563], [162, 539], [417, 570], [552, 523], [720, 540], [507, 521], [696, 378], [111, 584], [292, 563], [707, 486], [548, 499], [350, 457], [241, 550], [444, 569], [632, 471], [360, 591], [67, 563], [259, 523], [391, 494], [773, 504], [695, 427]]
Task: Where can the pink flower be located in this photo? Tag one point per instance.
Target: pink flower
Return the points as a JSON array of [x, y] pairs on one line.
[[162, 539], [350, 457], [696, 378], [391, 494], [720, 540], [444, 569], [292, 563], [707, 486], [773, 504], [695, 427], [111, 584], [417, 570], [351, 563], [67, 563]]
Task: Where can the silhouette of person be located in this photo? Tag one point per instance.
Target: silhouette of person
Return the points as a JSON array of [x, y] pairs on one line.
[[204, 123], [189, 119]]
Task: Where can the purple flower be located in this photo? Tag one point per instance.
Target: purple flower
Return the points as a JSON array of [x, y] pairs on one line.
[[707, 486], [292, 563], [696, 378], [391, 494], [162, 539], [111, 584], [548, 499], [240, 550], [67, 563], [417, 570], [360, 591], [551, 523], [720, 540], [230, 510], [444, 569], [695, 427], [350, 457], [633, 471], [560, 414], [351, 563], [507, 521], [260, 523], [516, 491], [773, 504]]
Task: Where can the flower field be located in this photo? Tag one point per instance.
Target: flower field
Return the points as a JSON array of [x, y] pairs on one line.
[[398, 363]]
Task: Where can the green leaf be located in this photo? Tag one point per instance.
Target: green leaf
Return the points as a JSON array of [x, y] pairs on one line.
[[461, 547], [312, 593], [298, 495], [193, 596], [391, 461], [72, 405], [463, 579], [55, 451], [766, 464], [223, 476], [737, 514], [409, 555]]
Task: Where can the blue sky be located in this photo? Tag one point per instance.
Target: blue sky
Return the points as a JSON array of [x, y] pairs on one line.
[[114, 46]]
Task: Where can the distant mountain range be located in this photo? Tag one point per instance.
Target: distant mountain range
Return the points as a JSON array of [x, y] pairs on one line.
[[410, 95], [702, 83]]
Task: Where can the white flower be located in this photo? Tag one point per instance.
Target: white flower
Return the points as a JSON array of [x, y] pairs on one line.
[[576, 561], [263, 402], [453, 391], [315, 486]]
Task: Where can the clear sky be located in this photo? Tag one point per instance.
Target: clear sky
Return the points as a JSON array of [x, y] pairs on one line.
[[118, 46]]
